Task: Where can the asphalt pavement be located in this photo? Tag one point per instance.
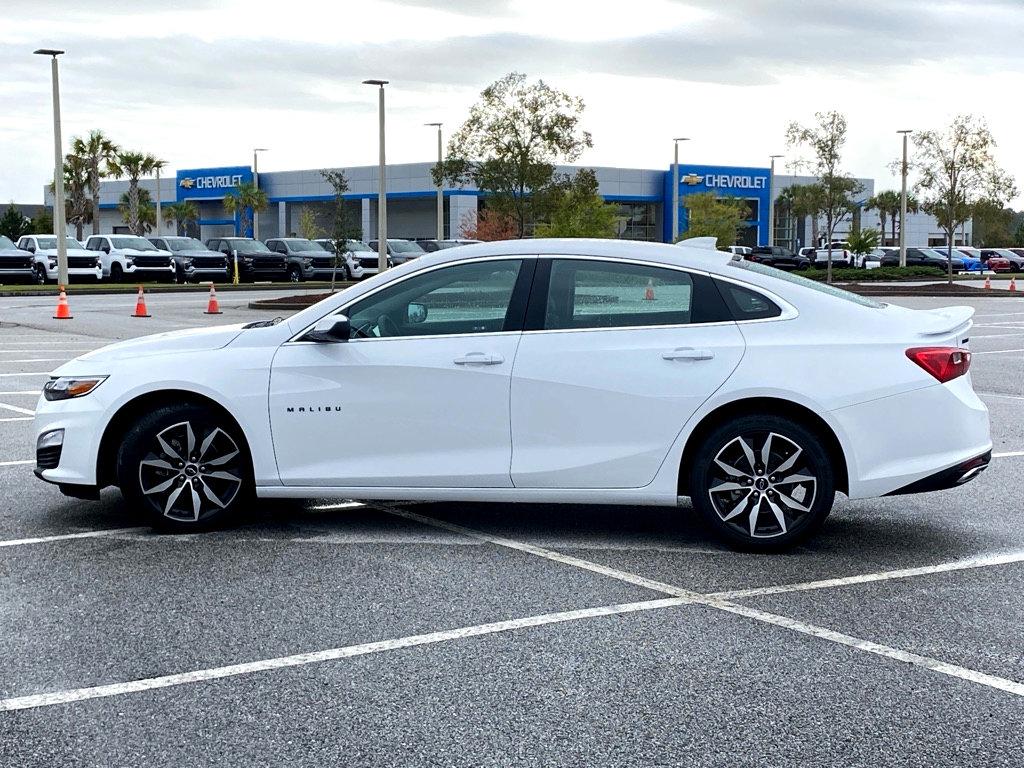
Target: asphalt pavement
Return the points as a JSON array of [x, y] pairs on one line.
[[498, 634]]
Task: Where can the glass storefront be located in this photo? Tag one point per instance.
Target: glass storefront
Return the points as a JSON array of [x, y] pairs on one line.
[[638, 221]]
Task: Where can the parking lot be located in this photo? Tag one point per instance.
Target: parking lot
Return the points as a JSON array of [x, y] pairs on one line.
[[473, 634]]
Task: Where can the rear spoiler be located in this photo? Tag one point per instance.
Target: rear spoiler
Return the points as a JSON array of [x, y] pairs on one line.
[[941, 322]]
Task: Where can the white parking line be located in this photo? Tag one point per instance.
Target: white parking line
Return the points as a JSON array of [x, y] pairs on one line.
[[1007, 454], [973, 352], [18, 409], [334, 654], [16, 418], [69, 536], [22, 392], [16, 463], [36, 360], [980, 394], [28, 373]]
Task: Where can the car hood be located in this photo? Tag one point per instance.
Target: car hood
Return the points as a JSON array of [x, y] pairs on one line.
[[199, 252], [134, 252], [189, 340], [71, 252]]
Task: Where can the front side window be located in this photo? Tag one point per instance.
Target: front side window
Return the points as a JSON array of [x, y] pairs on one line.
[[133, 243], [6, 244], [598, 294], [463, 298]]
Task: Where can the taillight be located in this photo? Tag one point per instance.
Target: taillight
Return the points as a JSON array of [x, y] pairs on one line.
[[944, 363]]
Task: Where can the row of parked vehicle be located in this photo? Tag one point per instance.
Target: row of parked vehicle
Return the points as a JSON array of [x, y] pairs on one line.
[[965, 259], [185, 259]]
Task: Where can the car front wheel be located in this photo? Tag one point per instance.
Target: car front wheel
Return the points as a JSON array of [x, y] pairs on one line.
[[185, 467], [762, 483]]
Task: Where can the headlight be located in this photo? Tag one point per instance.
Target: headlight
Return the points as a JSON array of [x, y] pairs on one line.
[[129, 260], [247, 259], [307, 262], [53, 265], [98, 263], [187, 262], [67, 387]]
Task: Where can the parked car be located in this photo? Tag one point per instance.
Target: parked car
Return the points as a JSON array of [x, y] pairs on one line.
[[872, 259], [739, 250], [431, 245], [255, 260], [132, 256], [1016, 259], [400, 251], [1016, 251], [193, 261], [807, 252], [778, 257], [82, 264], [16, 265], [359, 261], [300, 253], [923, 257], [642, 373], [842, 256]]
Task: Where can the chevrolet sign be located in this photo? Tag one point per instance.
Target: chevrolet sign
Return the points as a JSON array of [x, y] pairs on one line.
[[187, 183], [727, 181], [692, 179], [211, 183]]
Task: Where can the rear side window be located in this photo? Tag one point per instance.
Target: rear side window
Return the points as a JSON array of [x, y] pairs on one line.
[[746, 304]]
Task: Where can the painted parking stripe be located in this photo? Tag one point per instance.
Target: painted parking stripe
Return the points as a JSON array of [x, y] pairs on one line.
[[18, 409], [27, 373], [980, 394], [1007, 454], [16, 418], [333, 654], [16, 463], [985, 561], [983, 352], [31, 392], [69, 536], [35, 360]]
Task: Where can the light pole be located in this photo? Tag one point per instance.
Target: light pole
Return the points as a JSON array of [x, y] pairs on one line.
[[771, 202], [382, 202], [903, 202], [440, 188], [675, 188], [159, 219], [60, 220], [256, 183]]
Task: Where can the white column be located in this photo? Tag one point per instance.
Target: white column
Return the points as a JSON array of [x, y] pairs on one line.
[[366, 220]]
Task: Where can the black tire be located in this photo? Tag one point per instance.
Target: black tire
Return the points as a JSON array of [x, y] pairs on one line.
[[294, 274], [343, 273], [39, 275], [756, 495], [116, 273], [153, 463]]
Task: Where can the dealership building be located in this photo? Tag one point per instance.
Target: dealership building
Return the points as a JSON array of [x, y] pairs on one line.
[[644, 198]]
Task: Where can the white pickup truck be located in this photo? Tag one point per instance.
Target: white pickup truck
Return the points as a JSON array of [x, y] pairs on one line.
[[842, 256]]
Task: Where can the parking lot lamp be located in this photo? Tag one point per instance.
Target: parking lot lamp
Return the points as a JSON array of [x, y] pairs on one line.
[[440, 187], [256, 183], [60, 221], [382, 202], [903, 201], [771, 201], [675, 188]]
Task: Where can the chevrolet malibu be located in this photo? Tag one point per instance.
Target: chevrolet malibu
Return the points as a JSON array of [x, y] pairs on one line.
[[551, 371]]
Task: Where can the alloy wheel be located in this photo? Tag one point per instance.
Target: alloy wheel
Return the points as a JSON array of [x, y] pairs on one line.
[[762, 484], [190, 474]]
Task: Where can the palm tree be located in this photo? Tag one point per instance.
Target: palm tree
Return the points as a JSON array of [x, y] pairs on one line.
[[146, 211], [247, 197], [182, 214], [78, 205], [808, 200], [134, 165], [97, 152]]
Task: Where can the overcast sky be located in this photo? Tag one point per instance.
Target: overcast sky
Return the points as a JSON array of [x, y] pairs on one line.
[[200, 83]]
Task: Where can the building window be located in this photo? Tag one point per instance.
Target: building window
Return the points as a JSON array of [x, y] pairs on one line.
[[638, 221]]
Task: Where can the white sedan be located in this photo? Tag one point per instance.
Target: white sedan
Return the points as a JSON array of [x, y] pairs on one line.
[[578, 371]]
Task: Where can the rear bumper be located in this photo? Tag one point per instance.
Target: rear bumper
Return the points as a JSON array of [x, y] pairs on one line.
[[905, 441], [948, 478]]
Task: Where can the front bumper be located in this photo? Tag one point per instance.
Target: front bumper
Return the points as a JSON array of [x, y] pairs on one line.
[[95, 273], [82, 420]]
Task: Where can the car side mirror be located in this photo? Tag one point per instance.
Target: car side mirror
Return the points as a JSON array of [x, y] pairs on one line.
[[331, 330], [416, 313], [31, 248], [105, 248]]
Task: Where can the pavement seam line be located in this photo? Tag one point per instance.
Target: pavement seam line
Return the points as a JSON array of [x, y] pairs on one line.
[[712, 601], [18, 409], [283, 662], [68, 536]]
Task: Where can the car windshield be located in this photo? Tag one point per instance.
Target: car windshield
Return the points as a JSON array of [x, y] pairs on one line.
[[249, 246], [5, 243], [404, 246], [185, 244], [814, 285], [50, 243], [304, 245], [358, 245], [133, 243]]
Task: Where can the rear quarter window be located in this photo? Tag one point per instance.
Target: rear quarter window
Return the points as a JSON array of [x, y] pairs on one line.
[[814, 285]]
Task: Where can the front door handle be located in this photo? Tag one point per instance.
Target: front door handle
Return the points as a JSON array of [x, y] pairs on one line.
[[479, 358], [688, 353]]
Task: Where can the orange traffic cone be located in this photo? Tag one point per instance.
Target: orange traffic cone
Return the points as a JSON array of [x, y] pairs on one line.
[[140, 305], [988, 283], [649, 291], [63, 308], [213, 308], [1013, 284]]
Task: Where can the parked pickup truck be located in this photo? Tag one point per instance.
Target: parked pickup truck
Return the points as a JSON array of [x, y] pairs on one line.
[[255, 260], [15, 265], [82, 264], [842, 256]]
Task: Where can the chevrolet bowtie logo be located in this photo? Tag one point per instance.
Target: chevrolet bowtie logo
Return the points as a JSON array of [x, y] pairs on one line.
[[187, 183], [692, 179]]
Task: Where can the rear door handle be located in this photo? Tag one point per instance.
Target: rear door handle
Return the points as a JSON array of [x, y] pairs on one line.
[[479, 358], [688, 353]]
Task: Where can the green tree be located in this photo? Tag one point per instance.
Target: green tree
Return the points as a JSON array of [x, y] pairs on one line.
[[863, 241], [510, 143], [144, 212], [133, 165], [992, 224], [13, 224], [708, 215], [184, 214], [956, 170], [99, 154], [343, 225], [801, 201], [579, 211], [244, 199], [77, 205], [887, 203], [824, 144], [309, 228], [42, 224]]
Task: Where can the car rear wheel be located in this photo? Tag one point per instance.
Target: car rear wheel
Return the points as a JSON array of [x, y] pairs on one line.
[[762, 483], [185, 467]]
